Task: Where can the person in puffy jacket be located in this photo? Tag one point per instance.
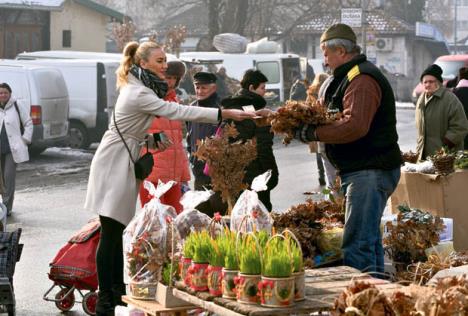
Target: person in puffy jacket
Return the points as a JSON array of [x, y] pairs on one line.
[[171, 164], [251, 93]]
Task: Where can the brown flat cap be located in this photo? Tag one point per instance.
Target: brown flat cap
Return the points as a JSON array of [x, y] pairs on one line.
[[338, 30]]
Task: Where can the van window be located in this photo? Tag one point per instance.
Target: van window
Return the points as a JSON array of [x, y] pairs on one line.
[[50, 84], [17, 82], [270, 69], [450, 68]]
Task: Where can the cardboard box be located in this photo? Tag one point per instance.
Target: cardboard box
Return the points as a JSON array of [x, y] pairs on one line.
[[165, 297], [445, 196]]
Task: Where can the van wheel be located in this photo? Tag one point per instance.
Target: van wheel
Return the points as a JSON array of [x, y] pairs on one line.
[[77, 136]]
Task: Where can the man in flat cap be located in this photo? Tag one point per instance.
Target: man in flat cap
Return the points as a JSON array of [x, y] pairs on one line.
[[205, 90], [362, 145]]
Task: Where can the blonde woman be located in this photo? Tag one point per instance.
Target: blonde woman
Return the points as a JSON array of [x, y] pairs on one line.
[[112, 187]]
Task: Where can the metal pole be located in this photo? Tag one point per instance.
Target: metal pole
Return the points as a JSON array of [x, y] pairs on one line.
[[455, 4], [363, 27]]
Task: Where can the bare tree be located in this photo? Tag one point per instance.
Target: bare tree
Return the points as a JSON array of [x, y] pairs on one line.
[[438, 15], [409, 11], [122, 33], [175, 36]]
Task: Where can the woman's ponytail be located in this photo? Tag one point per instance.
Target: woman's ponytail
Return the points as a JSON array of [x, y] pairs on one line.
[[127, 60]]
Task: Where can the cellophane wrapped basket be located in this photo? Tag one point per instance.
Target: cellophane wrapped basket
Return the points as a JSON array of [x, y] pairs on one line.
[[147, 243], [249, 205]]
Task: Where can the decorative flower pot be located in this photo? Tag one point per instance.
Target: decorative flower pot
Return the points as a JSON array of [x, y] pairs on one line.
[[276, 292], [198, 276], [229, 286], [247, 288], [184, 265], [299, 286], [143, 291], [215, 280]]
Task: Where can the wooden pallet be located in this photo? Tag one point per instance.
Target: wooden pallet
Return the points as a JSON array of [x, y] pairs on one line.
[[153, 308], [322, 288]]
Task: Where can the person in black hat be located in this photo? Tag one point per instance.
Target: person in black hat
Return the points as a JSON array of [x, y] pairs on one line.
[[440, 117], [207, 97]]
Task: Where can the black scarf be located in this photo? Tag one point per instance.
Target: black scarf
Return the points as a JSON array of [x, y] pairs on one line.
[[150, 80]]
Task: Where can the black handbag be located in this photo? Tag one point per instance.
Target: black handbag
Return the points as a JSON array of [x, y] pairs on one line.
[[143, 165]]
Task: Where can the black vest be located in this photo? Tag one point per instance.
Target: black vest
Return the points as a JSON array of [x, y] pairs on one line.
[[378, 149]]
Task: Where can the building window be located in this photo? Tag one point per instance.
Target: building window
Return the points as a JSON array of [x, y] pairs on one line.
[[66, 38]]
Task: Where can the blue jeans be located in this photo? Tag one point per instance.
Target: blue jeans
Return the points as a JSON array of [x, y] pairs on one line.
[[366, 194]]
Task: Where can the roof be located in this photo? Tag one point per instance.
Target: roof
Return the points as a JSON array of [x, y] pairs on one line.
[[195, 19], [377, 21], [57, 5]]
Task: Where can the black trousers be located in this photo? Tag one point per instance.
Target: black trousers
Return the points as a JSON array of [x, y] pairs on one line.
[[109, 255]]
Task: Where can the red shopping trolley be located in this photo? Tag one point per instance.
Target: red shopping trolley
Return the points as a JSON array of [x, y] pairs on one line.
[[74, 268]]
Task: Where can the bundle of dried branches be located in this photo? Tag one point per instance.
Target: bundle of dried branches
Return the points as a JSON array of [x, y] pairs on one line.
[[409, 156], [414, 232], [293, 114], [448, 298], [227, 162], [307, 220]]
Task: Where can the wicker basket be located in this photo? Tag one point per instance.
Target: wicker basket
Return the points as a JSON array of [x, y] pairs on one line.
[[444, 165], [409, 156]]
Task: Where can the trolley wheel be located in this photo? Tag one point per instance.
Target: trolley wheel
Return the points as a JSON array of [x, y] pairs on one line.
[[89, 303], [64, 303]]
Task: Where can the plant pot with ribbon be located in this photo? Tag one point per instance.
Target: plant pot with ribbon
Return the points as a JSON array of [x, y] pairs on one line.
[[201, 255], [186, 260], [250, 267], [298, 265], [277, 284], [227, 242]]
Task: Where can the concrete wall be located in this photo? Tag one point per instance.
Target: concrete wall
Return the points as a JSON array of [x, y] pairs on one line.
[[88, 28]]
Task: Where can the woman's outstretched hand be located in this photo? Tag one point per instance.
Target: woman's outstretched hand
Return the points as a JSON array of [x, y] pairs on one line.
[[264, 112], [237, 115]]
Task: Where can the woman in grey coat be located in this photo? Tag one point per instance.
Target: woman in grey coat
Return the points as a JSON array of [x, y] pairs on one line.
[[112, 187]]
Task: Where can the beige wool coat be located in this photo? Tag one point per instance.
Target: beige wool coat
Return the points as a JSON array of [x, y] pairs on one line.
[[112, 186], [442, 117]]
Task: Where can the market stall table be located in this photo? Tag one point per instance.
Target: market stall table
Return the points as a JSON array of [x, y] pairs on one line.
[[440, 195], [322, 287], [153, 308]]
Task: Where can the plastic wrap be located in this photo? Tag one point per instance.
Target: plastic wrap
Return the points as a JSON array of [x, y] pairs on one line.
[[230, 43], [249, 213], [330, 241], [190, 219], [147, 242]]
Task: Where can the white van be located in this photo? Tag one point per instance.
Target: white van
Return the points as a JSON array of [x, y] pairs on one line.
[[92, 90], [68, 54], [44, 90], [280, 69]]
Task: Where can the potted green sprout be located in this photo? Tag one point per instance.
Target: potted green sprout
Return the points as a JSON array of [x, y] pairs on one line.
[[215, 268], [227, 242], [201, 256], [186, 260], [298, 265], [277, 285], [250, 268]]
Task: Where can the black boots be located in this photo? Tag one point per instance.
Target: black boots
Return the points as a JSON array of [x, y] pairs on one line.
[[118, 290], [105, 305]]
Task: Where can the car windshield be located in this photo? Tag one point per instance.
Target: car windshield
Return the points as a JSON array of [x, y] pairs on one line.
[[450, 68]]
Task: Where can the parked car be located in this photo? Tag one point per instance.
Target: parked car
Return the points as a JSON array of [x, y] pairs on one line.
[[43, 90], [280, 69], [92, 90], [450, 65]]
